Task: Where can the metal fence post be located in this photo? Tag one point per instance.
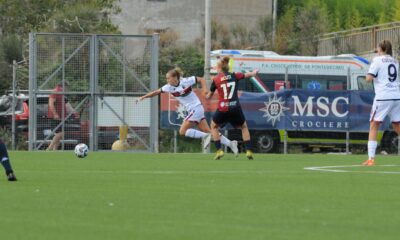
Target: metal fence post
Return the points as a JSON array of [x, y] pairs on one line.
[[398, 145], [14, 100], [175, 141], [32, 83], [347, 129], [226, 135], [93, 56], [285, 143], [63, 87], [154, 101]]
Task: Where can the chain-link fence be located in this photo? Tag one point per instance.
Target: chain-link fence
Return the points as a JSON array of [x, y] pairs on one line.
[[13, 106], [83, 89]]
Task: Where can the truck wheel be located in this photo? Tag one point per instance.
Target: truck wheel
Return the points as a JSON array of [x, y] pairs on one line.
[[265, 142]]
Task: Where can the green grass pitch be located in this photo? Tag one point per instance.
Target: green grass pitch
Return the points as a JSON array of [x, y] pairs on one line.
[[191, 196]]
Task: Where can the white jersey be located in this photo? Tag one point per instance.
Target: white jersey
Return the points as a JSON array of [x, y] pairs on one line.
[[385, 70], [184, 93]]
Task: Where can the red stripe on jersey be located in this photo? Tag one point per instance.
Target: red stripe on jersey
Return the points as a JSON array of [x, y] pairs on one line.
[[183, 93]]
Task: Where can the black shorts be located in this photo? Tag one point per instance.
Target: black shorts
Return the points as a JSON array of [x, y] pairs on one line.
[[234, 116], [54, 123]]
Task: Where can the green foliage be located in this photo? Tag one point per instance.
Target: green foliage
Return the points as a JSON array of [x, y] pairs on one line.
[[396, 12], [19, 17], [80, 18], [353, 19], [286, 40], [345, 14], [189, 58], [10, 49], [220, 36], [312, 21], [301, 22]]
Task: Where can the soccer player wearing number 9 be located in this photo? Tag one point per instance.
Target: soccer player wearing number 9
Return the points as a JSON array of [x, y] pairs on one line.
[[384, 74], [229, 109]]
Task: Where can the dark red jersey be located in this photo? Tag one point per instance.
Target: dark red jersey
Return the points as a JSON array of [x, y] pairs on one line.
[[227, 85]]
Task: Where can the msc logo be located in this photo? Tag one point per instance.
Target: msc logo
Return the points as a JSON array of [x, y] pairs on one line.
[[274, 109], [323, 107]]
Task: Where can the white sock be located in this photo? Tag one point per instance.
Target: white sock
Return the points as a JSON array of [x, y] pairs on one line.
[[225, 141], [372, 149], [193, 133]]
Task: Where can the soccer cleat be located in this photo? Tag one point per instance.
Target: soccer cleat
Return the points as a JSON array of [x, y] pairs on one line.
[[249, 154], [219, 154], [234, 148], [206, 140], [11, 177], [369, 162]]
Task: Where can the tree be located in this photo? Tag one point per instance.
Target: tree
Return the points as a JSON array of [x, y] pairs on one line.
[[286, 40], [220, 36], [264, 28], [353, 19], [82, 17], [312, 21], [189, 58], [19, 17], [396, 12]]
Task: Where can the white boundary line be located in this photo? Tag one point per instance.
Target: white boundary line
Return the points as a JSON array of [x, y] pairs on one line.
[[335, 169], [159, 172]]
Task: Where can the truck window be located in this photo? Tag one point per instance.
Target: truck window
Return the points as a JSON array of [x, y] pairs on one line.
[[270, 80], [274, 82], [247, 86], [363, 85], [267, 82], [313, 84], [330, 83]]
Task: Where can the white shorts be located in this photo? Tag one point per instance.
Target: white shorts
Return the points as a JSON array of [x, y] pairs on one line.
[[196, 114], [381, 109]]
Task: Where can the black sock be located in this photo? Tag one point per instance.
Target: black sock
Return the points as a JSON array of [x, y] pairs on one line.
[[248, 145], [218, 145], [5, 161]]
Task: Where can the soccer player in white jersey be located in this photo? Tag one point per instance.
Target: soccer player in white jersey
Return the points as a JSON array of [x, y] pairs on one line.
[[383, 72], [181, 89]]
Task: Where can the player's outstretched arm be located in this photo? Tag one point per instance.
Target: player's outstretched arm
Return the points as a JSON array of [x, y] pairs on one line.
[[149, 95], [209, 95], [212, 90], [203, 84], [251, 74]]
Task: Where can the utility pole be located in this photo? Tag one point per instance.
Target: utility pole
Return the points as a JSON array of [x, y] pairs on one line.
[[274, 11], [207, 49], [207, 40]]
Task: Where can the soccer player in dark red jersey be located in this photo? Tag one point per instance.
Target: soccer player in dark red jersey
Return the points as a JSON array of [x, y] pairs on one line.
[[229, 109]]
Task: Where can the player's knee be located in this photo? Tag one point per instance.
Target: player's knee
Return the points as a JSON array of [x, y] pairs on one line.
[[375, 125]]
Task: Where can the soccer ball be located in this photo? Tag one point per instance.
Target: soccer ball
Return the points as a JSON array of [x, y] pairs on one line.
[[81, 150]]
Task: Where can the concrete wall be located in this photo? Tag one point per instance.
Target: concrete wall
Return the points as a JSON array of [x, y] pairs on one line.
[[186, 17]]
